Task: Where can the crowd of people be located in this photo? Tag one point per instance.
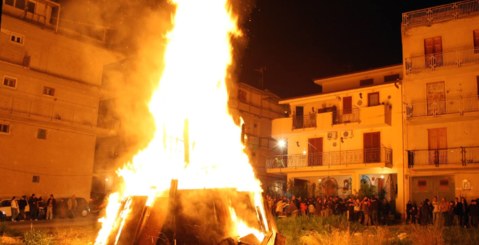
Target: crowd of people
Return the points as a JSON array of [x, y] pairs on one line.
[[36, 208], [455, 212], [367, 211], [374, 211]]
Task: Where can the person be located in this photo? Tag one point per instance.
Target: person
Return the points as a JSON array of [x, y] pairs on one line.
[[365, 208], [473, 213], [444, 208], [458, 212], [72, 205], [14, 207], [33, 202], [424, 213], [408, 212], [436, 211], [50, 204], [22, 204]]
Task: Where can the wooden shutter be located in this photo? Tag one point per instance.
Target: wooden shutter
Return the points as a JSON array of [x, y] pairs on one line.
[[347, 105]]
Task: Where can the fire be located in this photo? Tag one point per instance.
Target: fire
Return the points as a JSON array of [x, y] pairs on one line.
[[196, 141]]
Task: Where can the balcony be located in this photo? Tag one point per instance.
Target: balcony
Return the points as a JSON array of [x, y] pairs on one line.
[[443, 157], [55, 111], [429, 16], [455, 58], [443, 107], [332, 159]]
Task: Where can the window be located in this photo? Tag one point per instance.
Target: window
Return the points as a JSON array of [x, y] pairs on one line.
[[31, 7], [16, 38], [10, 82], [4, 128], [20, 4], [433, 51], [242, 95], [372, 147], [366, 82], [36, 179], [48, 91], [9, 2], [392, 78], [373, 99], [476, 41], [421, 183], [347, 105], [444, 182], [42, 134]]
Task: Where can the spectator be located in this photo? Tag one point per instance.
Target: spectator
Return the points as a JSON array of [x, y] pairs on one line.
[[50, 204], [14, 207], [72, 206], [474, 213], [22, 204]]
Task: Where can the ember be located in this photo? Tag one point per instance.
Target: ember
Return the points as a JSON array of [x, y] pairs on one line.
[[193, 184]]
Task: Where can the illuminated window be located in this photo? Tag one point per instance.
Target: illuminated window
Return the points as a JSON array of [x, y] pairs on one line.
[[42, 134], [48, 91], [10, 82], [4, 128]]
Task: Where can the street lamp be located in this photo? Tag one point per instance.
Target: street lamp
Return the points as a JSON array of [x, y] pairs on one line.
[[281, 143]]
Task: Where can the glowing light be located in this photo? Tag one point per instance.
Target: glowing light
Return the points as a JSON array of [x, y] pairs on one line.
[[196, 141], [282, 143]]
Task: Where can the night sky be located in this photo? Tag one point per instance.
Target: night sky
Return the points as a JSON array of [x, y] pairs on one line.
[[298, 41]]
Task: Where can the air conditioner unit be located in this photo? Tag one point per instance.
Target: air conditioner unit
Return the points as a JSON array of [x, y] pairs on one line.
[[332, 135], [348, 134]]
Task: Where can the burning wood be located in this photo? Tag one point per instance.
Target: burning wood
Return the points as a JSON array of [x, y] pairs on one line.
[[193, 183]]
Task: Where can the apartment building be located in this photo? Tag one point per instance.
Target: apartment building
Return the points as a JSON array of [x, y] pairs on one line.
[[258, 108], [49, 94], [441, 91], [345, 140]]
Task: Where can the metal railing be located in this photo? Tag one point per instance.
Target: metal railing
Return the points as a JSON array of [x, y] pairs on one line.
[[308, 121], [440, 13], [442, 107], [52, 111], [436, 157], [435, 61], [347, 117], [333, 158]]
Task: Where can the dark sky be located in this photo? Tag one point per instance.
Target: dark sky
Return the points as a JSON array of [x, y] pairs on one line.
[[297, 41]]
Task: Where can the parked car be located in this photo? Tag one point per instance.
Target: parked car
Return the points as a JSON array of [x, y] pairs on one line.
[[5, 208], [61, 207]]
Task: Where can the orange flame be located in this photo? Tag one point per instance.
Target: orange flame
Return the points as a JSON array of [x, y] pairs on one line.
[[196, 140]]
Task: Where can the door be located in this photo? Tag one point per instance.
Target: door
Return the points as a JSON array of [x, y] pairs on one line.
[[299, 117], [433, 51], [436, 98], [430, 186], [315, 152], [372, 147], [437, 141]]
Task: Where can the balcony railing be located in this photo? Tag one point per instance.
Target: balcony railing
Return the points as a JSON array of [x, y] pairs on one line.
[[446, 156], [442, 107], [333, 158], [347, 117], [454, 58], [308, 121], [440, 13]]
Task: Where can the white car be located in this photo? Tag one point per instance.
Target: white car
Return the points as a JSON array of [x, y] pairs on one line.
[[5, 208]]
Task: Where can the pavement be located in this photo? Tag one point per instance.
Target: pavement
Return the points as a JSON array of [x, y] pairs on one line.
[[88, 221]]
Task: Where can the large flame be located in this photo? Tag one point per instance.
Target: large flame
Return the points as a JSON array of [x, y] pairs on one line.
[[196, 140]]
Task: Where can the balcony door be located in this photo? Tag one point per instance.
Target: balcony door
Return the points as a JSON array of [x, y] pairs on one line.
[[437, 141], [315, 152], [436, 98], [372, 147], [433, 51], [299, 117]]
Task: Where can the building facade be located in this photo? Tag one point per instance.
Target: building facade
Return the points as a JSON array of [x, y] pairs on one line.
[[441, 91], [257, 108], [49, 98], [345, 140]]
